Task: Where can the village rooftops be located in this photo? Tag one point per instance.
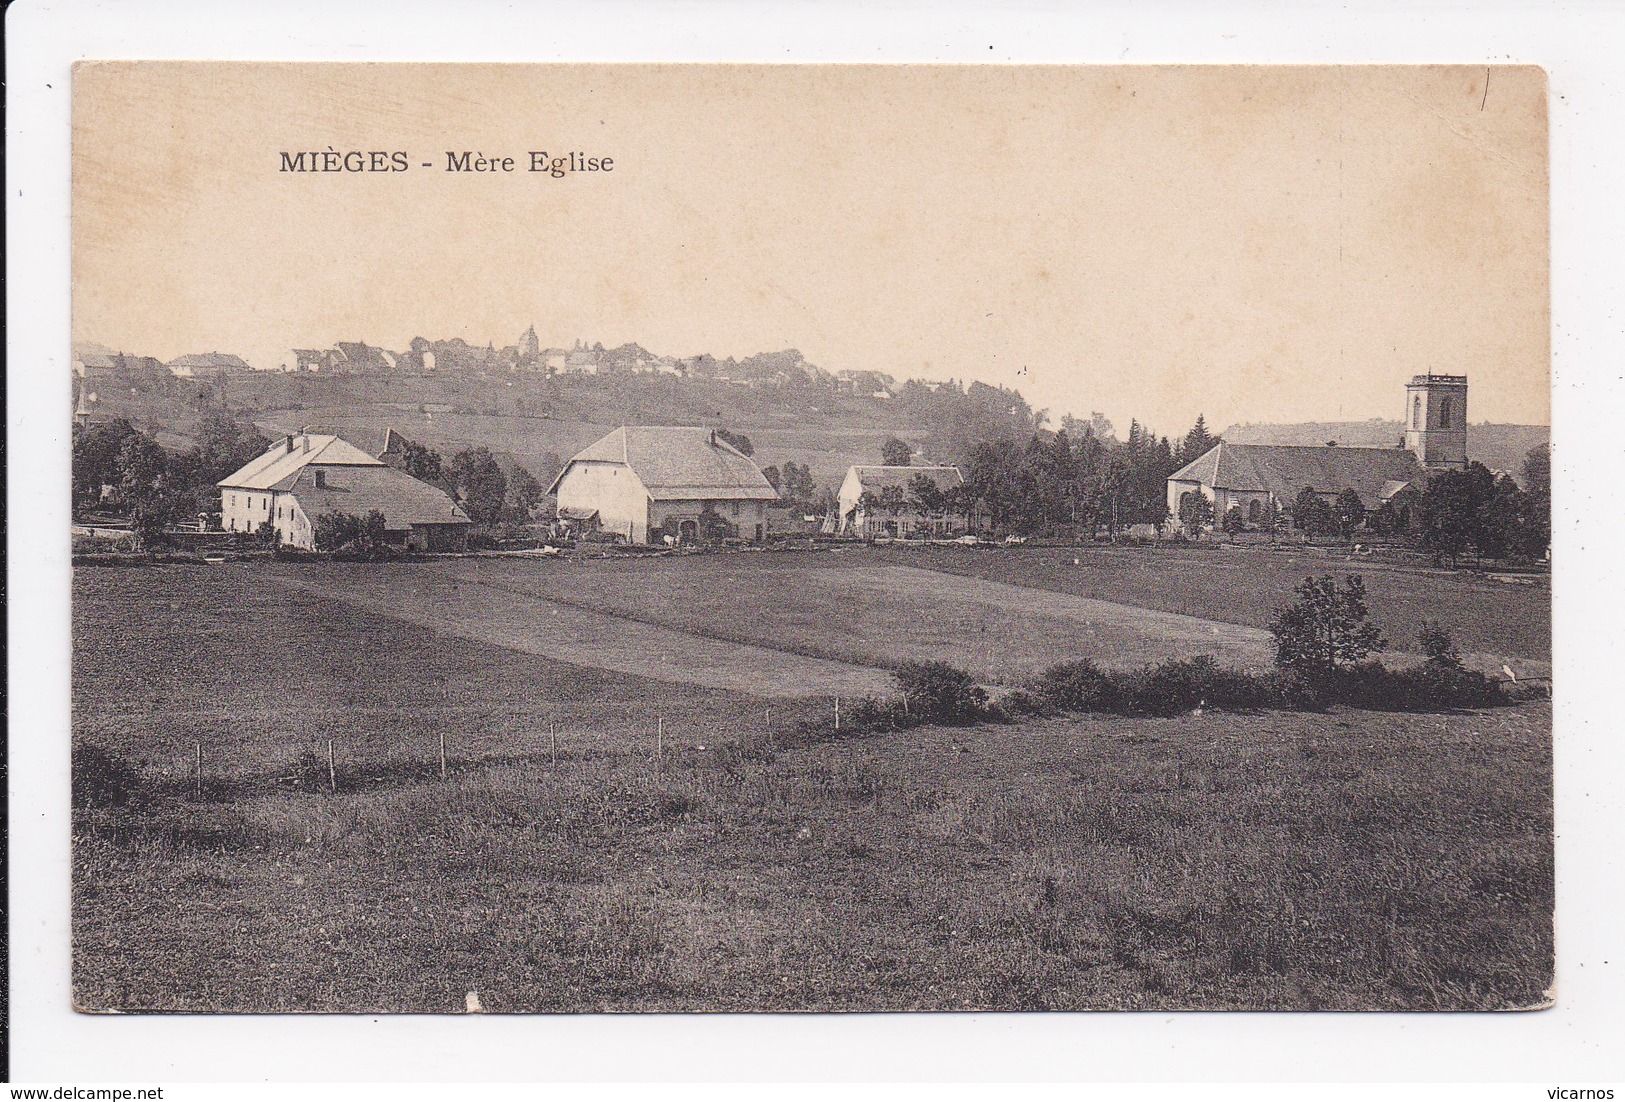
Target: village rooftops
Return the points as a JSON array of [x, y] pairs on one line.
[[678, 463], [1376, 474], [277, 468]]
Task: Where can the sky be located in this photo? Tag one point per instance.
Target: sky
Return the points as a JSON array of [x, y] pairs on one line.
[[1257, 244]]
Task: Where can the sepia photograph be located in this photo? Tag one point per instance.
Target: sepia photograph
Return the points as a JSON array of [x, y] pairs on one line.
[[651, 538]]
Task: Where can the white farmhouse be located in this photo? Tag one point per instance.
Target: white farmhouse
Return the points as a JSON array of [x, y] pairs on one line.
[[306, 475], [895, 511], [648, 482]]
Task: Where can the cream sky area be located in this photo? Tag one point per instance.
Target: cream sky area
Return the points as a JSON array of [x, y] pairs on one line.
[[1254, 243]]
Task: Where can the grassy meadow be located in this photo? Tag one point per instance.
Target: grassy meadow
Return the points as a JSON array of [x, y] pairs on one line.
[[1346, 860]]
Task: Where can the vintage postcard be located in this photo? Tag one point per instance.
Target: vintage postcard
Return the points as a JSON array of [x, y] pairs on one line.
[[635, 538]]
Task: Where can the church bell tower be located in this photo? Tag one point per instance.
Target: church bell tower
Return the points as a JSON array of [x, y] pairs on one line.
[[1436, 421]]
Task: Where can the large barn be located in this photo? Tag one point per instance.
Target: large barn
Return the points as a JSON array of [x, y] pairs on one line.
[[646, 483], [305, 475], [1251, 476]]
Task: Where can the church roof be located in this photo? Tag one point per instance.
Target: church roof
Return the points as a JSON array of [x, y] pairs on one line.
[[678, 463], [1373, 473]]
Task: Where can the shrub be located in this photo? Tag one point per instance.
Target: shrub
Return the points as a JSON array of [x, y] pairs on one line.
[[1182, 684], [1291, 692], [937, 690], [1433, 684], [1080, 686], [100, 778], [1019, 702]]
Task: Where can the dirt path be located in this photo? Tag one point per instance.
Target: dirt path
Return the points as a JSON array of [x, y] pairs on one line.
[[535, 625]]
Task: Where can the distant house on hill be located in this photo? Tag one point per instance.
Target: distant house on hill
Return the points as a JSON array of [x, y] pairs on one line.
[[206, 364], [304, 476], [648, 482], [1251, 476], [894, 511], [352, 358]]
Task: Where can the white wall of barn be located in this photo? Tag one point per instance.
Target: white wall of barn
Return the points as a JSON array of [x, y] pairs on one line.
[[614, 490]]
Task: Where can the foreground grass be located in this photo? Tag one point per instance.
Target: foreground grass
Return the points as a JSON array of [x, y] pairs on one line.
[[1349, 860], [1345, 861]]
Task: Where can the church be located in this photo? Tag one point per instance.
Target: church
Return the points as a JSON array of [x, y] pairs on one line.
[[1252, 476]]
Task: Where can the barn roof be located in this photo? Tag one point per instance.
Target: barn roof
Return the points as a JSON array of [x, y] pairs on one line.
[[1373, 473], [358, 490], [276, 467], [879, 477], [678, 463]]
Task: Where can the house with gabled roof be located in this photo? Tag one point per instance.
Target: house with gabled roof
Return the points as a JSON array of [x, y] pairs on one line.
[[203, 364], [305, 475], [895, 511], [648, 482]]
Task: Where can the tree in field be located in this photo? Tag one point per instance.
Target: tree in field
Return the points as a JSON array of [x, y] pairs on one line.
[[223, 445], [893, 500], [799, 487], [1452, 510], [738, 440], [924, 497], [480, 484], [1350, 512], [1325, 629], [142, 466], [1235, 521], [1312, 516], [1197, 442], [1536, 536], [774, 478], [868, 505], [895, 452], [523, 489], [95, 457], [1195, 511], [421, 462]]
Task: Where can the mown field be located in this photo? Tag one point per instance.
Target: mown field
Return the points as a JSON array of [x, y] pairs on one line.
[[1347, 860], [1244, 585]]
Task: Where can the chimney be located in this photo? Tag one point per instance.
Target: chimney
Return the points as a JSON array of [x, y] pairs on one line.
[[713, 438], [290, 443]]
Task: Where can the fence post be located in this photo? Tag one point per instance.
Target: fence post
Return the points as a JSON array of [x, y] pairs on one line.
[[660, 742], [442, 755], [553, 742], [837, 713], [200, 769], [332, 774]]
